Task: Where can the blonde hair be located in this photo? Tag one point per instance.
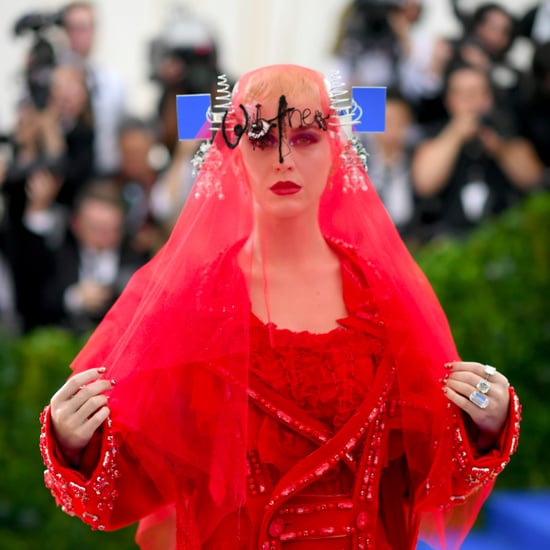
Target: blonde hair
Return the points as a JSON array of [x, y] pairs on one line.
[[277, 80]]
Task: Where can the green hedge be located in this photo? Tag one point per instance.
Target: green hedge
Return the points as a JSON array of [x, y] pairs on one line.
[[495, 288], [31, 369]]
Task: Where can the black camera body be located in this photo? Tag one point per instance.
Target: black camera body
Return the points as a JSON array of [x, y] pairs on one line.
[[199, 65], [41, 58], [369, 24], [499, 122], [37, 21]]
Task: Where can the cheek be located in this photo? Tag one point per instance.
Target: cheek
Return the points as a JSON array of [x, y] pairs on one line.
[[244, 169], [323, 162], [255, 163]]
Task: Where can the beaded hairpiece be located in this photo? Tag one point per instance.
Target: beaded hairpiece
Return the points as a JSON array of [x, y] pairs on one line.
[[222, 103], [208, 158], [348, 114], [341, 102]]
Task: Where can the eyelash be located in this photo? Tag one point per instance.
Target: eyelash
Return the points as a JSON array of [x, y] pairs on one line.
[[268, 141]]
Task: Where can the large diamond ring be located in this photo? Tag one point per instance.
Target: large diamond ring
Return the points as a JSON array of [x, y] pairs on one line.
[[489, 370], [477, 398], [483, 386]]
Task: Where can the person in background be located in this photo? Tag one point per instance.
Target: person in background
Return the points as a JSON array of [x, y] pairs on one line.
[[489, 33], [389, 162], [280, 375], [172, 189], [93, 264], [475, 165], [107, 88], [534, 107], [69, 112], [58, 137], [383, 44], [184, 60], [142, 160], [9, 319], [50, 158]]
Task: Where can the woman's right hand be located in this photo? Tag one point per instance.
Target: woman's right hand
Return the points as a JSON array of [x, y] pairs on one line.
[[78, 409]]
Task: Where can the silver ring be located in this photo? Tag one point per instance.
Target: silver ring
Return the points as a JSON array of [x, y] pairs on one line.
[[483, 386], [477, 398], [489, 370]]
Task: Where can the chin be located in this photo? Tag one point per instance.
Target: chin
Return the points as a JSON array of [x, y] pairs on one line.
[[286, 209]]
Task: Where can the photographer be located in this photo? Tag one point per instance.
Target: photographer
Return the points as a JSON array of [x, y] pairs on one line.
[[106, 87], [381, 44], [57, 138], [42, 56], [535, 105], [489, 33], [183, 61], [51, 158], [94, 262], [476, 165], [368, 46]]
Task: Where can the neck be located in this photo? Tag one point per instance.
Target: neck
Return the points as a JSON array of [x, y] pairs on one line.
[[288, 242]]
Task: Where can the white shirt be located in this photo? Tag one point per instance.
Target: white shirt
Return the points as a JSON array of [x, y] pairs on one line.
[[108, 97]]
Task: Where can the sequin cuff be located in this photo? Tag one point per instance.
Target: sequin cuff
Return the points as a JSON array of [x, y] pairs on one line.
[[89, 498], [474, 472]]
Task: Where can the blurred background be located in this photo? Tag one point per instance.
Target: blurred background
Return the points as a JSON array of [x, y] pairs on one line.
[[92, 178], [249, 34]]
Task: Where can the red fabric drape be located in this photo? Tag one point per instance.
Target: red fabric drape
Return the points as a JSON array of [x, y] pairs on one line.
[[177, 340]]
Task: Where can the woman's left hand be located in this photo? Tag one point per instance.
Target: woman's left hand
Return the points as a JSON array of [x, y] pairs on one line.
[[481, 392]]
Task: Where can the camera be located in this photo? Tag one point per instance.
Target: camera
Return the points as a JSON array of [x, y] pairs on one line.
[[188, 44], [36, 22], [499, 122], [369, 24], [41, 58]]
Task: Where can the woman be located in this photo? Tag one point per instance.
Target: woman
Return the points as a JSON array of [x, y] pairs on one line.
[[279, 364]]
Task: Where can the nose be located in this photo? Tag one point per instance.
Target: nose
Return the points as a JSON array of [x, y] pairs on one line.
[[283, 163]]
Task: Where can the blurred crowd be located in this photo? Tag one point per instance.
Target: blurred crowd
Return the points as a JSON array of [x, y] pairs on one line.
[[467, 129], [89, 192]]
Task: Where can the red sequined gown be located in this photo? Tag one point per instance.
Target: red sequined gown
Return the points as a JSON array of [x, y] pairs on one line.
[[326, 464]]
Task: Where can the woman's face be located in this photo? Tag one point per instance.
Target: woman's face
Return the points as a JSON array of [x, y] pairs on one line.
[[289, 165]]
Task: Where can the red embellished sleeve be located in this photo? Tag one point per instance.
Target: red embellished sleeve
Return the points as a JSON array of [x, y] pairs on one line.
[[475, 468], [108, 491]]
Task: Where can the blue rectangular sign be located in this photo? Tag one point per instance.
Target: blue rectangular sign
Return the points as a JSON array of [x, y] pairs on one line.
[[192, 116], [369, 106]]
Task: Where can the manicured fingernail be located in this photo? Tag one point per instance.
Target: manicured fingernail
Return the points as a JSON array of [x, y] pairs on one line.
[[101, 369], [113, 382], [448, 366], [444, 389]]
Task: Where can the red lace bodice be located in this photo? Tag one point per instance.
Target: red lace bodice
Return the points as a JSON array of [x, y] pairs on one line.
[[326, 374]]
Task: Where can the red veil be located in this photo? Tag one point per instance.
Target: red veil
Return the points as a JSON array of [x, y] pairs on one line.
[[177, 339]]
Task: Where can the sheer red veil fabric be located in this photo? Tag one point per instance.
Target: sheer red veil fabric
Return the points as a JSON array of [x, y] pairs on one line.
[[177, 340]]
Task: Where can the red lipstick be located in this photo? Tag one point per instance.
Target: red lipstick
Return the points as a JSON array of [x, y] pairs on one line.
[[285, 188]]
